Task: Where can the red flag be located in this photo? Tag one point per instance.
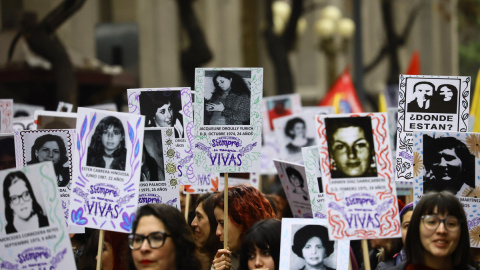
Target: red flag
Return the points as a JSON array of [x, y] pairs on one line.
[[343, 95], [414, 67]]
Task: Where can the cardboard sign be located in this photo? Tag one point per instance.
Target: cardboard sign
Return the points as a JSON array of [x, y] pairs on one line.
[[228, 119], [56, 145], [33, 234], [294, 233], [6, 115], [294, 183], [54, 120], [445, 160], [357, 176], [107, 157], [428, 103], [314, 180], [169, 107], [158, 181]]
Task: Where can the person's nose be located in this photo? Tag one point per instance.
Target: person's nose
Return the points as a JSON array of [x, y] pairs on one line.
[[194, 222], [219, 231], [145, 246], [110, 135], [258, 262], [441, 227], [50, 154], [352, 152]]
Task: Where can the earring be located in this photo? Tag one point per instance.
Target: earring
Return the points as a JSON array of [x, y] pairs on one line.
[[374, 162], [333, 165]]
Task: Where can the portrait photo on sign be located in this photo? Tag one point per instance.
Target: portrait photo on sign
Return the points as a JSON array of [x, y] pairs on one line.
[[23, 206], [227, 97], [163, 109], [427, 97], [449, 163], [107, 147], [52, 145], [153, 166], [311, 248], [351, 147]]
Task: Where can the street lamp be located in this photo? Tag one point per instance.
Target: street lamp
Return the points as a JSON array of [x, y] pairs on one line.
[[335, 34]]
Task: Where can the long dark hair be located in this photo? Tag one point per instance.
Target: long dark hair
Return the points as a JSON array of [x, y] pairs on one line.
[[445, 203], [176, 226], [238, 85], [213, 242], [265, 235], [40, 141], [96, 147], [9, 179]]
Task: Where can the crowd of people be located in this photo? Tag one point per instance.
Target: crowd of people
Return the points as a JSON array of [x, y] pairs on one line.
[[434, 236]]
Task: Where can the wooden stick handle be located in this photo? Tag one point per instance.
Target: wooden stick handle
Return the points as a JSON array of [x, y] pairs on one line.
[[225, 212], [366, 259], [187, 206], [100, 249]]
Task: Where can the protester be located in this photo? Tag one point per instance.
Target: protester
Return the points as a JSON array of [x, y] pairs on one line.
[[161, 239], [261, 246], [204, 226], [246, 205], [438, 236]]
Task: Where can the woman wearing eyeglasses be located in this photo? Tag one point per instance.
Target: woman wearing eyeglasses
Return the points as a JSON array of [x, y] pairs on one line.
[[438, 235], [161, 239], [22, 211]]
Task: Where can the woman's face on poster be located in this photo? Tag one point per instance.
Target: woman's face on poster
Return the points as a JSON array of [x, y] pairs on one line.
[[298, 130], [295, 181], [49, 151], [447, 166], [164, 115], [224, 83], [351, 151], [313, 252], [446, 93], [20, 199], [111, 138]]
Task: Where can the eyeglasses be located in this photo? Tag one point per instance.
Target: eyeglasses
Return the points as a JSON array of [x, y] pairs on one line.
[[25, 197], [154, 239], [432, 222]]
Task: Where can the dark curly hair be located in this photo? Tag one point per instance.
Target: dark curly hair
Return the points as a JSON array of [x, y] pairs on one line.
[[96, 150], [151, 101], [177, 227], [306, 233], [238, 85], [246, 205], [291, 124], [265, 235], [292, 171], [213, 242], [40, 141]]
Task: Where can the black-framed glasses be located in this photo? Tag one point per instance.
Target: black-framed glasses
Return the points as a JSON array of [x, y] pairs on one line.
[[154, 239], [25, 196], [431, 222]]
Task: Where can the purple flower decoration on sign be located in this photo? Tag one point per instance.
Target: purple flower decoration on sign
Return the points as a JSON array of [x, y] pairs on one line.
[[127, 222], [77, 217]]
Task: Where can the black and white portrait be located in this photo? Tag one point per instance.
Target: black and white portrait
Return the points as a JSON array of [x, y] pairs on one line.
[[153, 168], [351, 147], [107, 147], [426, 97], [295, 131], [163, 109], [298, 182], [227, 97], [311, 248], [448, 165], [51, 146], [22, 204]]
